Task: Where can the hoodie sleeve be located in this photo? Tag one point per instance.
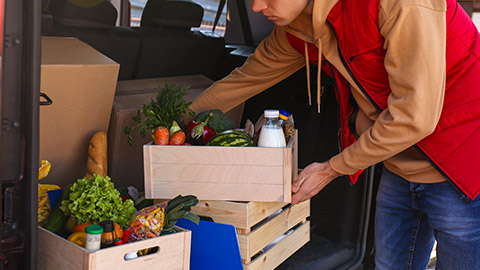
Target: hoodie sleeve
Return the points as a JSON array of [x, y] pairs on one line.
[[415, 44], [273, 60]]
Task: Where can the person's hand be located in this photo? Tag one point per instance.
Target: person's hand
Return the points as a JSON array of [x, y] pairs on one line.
[[312, 179]]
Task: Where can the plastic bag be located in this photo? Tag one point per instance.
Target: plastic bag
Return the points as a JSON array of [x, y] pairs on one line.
[[148, 222]]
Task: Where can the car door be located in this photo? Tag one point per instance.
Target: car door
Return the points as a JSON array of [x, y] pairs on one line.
[[19, 106]]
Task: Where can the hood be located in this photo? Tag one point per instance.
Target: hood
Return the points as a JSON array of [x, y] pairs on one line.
[[310, 28]]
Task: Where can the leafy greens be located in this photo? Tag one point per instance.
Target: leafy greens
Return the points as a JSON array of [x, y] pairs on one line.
[[95, 200]]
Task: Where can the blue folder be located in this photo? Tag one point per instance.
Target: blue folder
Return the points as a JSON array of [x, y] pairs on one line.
[[214, 246]]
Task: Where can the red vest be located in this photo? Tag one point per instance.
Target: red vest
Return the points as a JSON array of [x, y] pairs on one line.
[[454, 147]]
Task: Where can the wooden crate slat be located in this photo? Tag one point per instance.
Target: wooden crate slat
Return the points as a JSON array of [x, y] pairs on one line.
[[170, 254], [274, 256], [257, 211], [226, 212], [259, 238], [242, 215], [55, 252], [214, 191], [218, 155], [209, 173]]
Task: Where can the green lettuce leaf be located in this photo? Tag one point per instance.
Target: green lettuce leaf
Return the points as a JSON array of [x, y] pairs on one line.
[[95, 200]]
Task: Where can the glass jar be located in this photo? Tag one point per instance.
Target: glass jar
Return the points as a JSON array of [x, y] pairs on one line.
[[107, 235], [271, 134], [94, 237]]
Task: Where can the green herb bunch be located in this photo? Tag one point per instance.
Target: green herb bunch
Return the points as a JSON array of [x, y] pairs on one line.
[[167, 106], [95, 200]]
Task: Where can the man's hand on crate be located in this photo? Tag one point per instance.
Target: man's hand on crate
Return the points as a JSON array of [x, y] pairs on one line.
[[311, 180]]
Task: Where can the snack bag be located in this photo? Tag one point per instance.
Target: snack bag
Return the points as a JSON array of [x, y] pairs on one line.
[[148, 222]]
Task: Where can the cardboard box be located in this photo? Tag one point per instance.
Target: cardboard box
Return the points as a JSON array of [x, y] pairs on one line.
[[81, 82], [221, 173], [125, 161], [55, 252]]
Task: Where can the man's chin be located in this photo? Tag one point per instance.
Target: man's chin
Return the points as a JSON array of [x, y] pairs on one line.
[[278, 22]]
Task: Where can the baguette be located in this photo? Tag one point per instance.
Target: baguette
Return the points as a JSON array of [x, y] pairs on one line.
[[97, 155]]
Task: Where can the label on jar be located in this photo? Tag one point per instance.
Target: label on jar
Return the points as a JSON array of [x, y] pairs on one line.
[[93, 241]]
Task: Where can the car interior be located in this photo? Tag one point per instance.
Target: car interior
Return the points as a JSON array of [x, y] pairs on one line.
[[165, 45]]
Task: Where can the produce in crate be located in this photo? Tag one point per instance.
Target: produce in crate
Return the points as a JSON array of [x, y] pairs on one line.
[[199, 133], [96, 199], [167, 107], [232, 138], [219, 122], [161, 136], [57, 218], [161, 218]]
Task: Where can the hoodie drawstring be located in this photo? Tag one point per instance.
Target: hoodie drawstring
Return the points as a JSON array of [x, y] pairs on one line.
[[319, 74], [307, 64]]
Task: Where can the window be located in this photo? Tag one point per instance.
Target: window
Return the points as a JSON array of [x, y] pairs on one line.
[[210, 10]]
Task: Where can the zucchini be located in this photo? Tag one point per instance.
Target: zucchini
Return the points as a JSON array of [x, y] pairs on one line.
[[57, 219]]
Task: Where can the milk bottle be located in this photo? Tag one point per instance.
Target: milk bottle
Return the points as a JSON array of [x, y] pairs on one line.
[[271, 134]]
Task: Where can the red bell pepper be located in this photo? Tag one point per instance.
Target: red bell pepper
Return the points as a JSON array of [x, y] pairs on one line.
[[199, 133]]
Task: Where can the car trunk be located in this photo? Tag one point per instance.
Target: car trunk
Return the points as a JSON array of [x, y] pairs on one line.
[[340, 214]]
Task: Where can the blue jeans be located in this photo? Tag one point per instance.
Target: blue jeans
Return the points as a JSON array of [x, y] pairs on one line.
[[411, 216]]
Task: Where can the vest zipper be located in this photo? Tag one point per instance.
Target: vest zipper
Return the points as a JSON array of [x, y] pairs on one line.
[[344, 62]]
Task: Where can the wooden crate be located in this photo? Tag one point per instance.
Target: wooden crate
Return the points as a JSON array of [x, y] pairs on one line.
[[221, 173], [258, 225], [56, 253]]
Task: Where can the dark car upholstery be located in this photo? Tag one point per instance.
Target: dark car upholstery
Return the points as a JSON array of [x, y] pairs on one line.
[[169, 47], [162, 46]]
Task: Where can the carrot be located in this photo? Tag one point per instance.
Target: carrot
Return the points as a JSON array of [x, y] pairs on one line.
[[80, 227], [161, 135], [177, 138]]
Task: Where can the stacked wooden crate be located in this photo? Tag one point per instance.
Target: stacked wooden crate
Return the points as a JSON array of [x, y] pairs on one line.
[[268, 232], [247, 187]]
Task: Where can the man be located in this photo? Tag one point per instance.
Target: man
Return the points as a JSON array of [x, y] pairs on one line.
[[412, 68]]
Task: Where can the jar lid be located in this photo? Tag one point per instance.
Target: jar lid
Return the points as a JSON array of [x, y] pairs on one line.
[[107, 225], [94, 229], [284, 114], [271, 113]]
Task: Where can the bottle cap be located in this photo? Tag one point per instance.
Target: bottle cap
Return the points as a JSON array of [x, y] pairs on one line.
[[271, 113], [94, 229], [284, 114], [107, 226], [131, 255]]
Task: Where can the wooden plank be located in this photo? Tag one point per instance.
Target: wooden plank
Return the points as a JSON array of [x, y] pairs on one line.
[[215, 191], [55, 252], [275, 255], [147, 170], [287, 175], [259, 238], [219, 155], [242, 215], [170, 254], [216, 174], [257, 211], [233, 213]]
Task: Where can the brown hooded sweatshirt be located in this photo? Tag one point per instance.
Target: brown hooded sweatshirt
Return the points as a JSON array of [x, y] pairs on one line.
[[415, 40]]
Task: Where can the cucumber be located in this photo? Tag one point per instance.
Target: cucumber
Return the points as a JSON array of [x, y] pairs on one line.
[[189, 200], [57, 219]]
